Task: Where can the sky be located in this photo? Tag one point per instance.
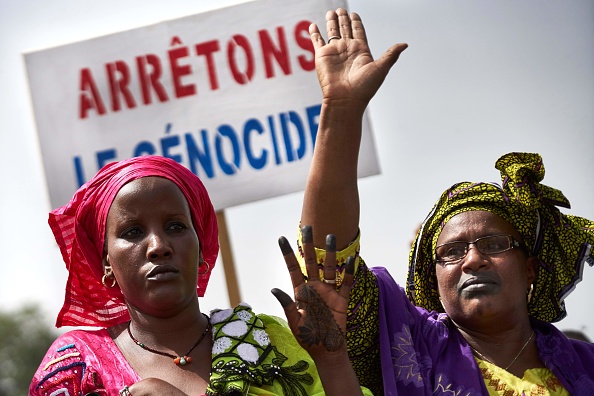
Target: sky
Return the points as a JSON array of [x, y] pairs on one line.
[[479, 79]]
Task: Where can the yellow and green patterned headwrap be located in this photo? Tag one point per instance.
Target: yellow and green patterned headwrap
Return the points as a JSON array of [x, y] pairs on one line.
[[562, 243]]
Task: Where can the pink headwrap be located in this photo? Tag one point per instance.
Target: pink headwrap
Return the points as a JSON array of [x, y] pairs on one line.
[[79, 229]]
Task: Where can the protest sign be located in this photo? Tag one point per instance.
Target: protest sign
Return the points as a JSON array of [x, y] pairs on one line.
[[231, 94]]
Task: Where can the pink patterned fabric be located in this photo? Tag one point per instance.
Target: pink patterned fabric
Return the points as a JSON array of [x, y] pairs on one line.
[[88, 362], [79, 229], [80, 362]]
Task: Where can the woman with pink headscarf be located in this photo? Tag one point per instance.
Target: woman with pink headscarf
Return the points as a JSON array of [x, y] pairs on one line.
[[140, 240]]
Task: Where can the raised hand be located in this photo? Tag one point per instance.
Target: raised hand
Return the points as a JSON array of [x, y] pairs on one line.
[[317, 318], [345, 66]]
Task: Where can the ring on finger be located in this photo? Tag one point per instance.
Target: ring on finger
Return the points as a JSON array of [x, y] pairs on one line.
[[332, 38], [125, 391], [331, 281]]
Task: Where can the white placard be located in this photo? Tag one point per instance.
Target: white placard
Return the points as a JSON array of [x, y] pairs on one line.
[[231, 94]]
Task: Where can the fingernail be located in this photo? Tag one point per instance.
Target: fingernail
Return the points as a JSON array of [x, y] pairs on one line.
[[306, 234], [350, 265], [331, 242], [285, 246], [282, 297]]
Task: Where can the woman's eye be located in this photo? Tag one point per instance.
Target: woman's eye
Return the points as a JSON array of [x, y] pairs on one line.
[[493, 247], [177, 227], [131, 233], [455, 251]]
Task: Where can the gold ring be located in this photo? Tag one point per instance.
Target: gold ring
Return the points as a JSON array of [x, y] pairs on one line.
[[331, 281]]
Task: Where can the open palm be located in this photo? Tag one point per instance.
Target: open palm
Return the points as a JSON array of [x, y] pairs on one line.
[[345, 66], [317, 317]]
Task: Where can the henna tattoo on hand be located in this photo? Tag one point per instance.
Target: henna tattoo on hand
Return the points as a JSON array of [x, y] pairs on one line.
[[319, 328]]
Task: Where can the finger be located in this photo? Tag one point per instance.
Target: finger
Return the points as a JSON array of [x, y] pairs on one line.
[[344, 23], [357, 27], [330, 261], [288, 305], [389, 58], [332, 29], [309, 254], [348, 279], [291, 262], [316, 38]]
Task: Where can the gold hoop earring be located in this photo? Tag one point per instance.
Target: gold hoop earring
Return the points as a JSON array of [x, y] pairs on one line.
[[105, 283], [207, 268], [529, 293]]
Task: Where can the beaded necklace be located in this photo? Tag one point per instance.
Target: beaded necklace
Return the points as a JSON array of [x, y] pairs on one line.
[[480, 355], [178, 360]]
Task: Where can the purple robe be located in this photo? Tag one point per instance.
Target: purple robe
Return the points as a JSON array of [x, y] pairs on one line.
[[423, 354]]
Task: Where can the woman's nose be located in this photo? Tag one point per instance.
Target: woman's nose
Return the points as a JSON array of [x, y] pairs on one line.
[[474, 259], [158, 247]]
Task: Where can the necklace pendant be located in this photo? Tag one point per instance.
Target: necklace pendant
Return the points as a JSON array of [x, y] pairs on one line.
[[182, 360]]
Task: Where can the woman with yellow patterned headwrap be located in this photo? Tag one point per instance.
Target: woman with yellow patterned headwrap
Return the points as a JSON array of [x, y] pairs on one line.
[[488, 271], [557, 240]]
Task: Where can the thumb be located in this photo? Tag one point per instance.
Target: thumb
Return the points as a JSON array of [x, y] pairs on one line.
[[389, 58], [288, 305]]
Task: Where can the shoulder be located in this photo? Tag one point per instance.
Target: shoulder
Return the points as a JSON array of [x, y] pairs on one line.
[[242, 322], [260, 350], [584, 348], [75, 343], [398, 315], [558, 350], [65, 362], [271, 321], [84, 337], [79, 362]]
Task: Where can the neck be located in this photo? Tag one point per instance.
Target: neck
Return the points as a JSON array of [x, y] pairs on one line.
[[504, 348], [178, 325]]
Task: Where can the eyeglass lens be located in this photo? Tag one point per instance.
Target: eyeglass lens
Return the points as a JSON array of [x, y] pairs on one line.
[[457, 250]]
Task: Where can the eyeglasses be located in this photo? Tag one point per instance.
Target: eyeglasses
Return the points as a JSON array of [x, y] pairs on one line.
[[492, 244]]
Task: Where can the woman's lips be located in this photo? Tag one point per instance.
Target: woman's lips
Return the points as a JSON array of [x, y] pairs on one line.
[[163, 272], [477, 283]]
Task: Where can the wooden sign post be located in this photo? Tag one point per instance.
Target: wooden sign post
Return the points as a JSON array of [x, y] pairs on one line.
[[228, 262]]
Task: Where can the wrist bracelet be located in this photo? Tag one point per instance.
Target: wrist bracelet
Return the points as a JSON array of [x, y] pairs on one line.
[[125, 391]]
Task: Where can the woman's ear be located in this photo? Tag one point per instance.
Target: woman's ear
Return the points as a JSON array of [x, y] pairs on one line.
[[108, 274], [531, 268], [106, 266]]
